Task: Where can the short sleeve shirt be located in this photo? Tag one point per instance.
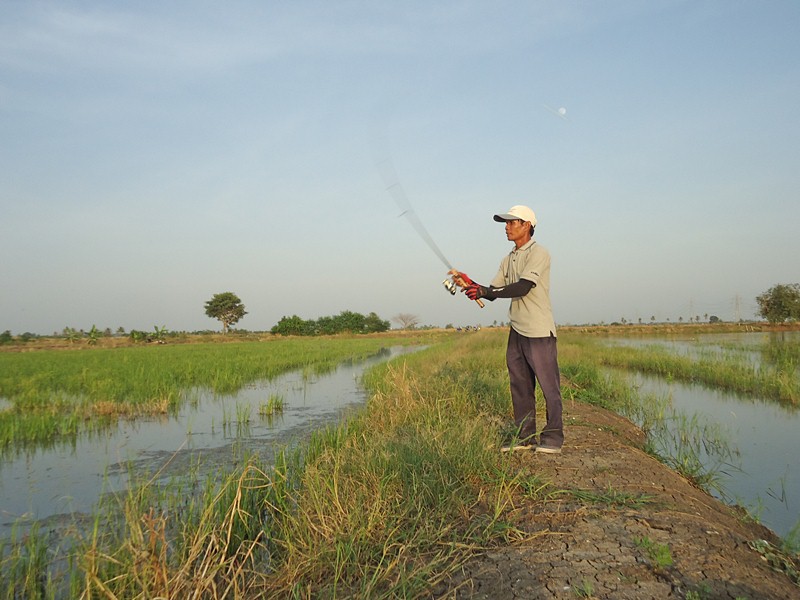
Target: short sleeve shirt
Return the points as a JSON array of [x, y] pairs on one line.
[[531, 315]]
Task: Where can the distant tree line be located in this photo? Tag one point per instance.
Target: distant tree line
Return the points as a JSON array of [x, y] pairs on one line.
[[345, 322]]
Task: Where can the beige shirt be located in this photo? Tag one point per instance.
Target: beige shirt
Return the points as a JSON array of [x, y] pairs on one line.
[[531, 315]]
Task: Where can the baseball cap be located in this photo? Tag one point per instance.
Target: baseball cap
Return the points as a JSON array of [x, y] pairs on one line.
[[517, 212]]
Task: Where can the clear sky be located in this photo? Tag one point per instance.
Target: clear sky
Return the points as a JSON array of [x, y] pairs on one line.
[[155, 153]]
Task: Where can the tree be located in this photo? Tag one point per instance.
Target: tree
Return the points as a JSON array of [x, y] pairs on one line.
[[226, 308], [160, 333], [71, 334], [293, 325], [374, 324], [345, 321], [406, 321], [780, 303], [94, 335]]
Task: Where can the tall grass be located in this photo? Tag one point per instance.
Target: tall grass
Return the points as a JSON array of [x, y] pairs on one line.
[[391, 501]]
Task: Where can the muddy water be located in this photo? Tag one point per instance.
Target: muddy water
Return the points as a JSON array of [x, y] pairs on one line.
[[765, 476], [59, 484]]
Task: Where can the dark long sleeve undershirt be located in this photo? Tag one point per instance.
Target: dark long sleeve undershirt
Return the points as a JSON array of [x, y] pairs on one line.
[[513, 290]]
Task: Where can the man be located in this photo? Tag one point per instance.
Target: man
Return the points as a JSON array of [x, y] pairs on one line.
[[531, 355]]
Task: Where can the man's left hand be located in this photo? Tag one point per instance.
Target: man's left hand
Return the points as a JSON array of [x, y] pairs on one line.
[[476, 291]]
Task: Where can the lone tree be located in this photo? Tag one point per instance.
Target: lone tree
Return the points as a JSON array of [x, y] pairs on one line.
[[227, 308], [406, 320], [780, 302]]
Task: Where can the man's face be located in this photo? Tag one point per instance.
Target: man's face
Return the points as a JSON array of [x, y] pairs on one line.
[[517, 230]]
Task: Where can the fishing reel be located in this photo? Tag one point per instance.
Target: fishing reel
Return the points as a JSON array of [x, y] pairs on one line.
[[453, 284]]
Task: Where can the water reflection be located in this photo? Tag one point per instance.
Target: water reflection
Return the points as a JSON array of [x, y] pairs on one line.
[[208, 433]]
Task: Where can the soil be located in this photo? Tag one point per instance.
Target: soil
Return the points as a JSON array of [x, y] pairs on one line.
[[579, 546]]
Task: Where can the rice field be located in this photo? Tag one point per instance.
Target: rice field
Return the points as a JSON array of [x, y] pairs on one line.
[[52, 395], [381, 505], [768, 369]]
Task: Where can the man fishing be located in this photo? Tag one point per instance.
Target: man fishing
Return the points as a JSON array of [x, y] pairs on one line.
[[531, 354]]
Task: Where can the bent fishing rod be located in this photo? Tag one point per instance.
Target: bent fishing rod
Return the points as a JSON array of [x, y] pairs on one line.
[[395, 189]]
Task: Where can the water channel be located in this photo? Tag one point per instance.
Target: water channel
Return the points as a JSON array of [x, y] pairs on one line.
[[765, 475], [57, 485]]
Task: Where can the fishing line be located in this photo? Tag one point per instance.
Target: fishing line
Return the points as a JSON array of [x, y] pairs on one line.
[[392, 182], [389, 175]]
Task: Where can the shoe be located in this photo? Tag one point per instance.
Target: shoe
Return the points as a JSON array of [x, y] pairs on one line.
[[548, 449], [518, 445]]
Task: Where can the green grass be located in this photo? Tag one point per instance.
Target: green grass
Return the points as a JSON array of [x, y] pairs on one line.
[[659, 554], [585, 589], [57, 394], [776, 378]]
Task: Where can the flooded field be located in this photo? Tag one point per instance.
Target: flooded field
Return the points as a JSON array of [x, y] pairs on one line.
[[763, 474], [59, 483]]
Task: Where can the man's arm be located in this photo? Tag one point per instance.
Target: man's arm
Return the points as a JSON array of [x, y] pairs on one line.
[[512, 290]]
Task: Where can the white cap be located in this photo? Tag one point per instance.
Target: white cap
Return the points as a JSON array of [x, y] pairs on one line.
[[520, 212]]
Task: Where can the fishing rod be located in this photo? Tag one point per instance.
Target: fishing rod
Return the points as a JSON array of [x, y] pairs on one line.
[[396, 191]]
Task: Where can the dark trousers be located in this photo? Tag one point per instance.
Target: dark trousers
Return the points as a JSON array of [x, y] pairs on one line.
[[530, 360]]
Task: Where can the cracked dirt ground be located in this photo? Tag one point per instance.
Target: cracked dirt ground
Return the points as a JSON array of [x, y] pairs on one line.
[[580, 547]]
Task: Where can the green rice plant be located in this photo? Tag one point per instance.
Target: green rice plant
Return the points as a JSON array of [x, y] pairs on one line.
[[781, 353], [23, 564], [694, 447], [274, 405], [731, 372], [243, 411]]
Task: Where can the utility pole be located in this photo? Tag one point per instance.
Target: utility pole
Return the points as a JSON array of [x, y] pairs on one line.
[[737, 308]]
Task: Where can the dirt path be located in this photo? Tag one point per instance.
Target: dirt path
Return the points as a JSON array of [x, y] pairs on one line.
[[584, 547]]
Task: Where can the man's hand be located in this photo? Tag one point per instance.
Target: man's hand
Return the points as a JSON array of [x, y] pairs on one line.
[[475, 291], [462, 276]]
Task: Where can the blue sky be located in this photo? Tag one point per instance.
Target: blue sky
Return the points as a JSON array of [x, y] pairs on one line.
[[156, 153]]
